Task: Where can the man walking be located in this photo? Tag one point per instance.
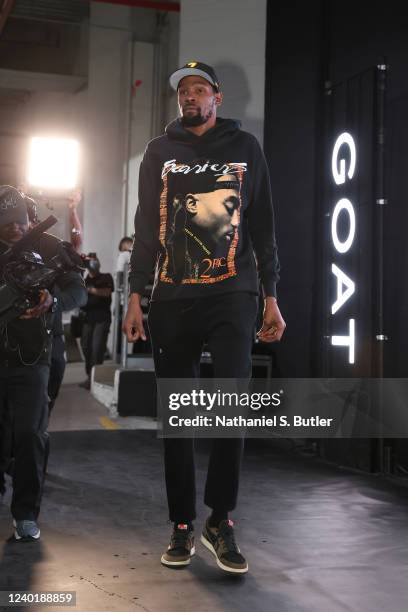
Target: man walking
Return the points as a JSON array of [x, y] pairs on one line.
[[205, 219]]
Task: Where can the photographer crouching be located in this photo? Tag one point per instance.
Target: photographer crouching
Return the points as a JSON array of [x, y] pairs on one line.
[[32, 285]]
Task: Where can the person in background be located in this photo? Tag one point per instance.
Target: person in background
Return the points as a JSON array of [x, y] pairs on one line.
[[125, 248], [25, 348], [97, 316], [58, 362]]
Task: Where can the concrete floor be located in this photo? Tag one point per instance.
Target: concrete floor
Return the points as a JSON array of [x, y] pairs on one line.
[[318, 539]]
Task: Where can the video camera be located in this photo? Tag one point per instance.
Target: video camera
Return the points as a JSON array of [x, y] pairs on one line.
[[25, 274]]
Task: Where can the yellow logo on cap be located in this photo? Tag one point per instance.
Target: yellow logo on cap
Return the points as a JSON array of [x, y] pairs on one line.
[[192, 64]]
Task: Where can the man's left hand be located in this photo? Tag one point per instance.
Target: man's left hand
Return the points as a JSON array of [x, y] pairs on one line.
[[43, 306], [273, 324]]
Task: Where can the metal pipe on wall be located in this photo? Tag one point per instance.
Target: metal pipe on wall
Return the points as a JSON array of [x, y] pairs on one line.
[[381, 202], [383, 453], [124, 345], [128, 138]]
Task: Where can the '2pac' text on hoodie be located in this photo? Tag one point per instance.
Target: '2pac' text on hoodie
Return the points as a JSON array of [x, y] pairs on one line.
[[205, 216]]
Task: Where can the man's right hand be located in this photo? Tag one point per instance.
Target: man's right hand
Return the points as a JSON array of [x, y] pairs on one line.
[[74, 199], [44, 304], [133, 322]]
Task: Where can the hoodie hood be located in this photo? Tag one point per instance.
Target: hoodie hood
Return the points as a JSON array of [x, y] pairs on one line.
[[223, 130]]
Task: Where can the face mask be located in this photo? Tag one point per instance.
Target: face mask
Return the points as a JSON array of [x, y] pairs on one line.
[[94, 265]]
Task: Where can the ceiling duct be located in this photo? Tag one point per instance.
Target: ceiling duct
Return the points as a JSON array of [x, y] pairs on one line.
[[71, 11]]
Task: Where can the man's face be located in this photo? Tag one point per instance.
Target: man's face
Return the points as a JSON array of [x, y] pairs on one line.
[[13, 232], [197, 101], [126, 246], [215, 212]]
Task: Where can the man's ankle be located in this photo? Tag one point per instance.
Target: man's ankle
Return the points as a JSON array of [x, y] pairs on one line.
[[189, 526], [216, 517]]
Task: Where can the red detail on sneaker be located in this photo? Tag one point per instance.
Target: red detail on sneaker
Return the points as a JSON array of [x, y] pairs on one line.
[[182, 526], [230, 523]]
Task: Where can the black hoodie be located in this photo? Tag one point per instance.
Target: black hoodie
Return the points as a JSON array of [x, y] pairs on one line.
[[205, 215]]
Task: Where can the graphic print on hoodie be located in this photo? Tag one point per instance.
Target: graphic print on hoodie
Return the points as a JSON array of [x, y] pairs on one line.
[[204, 218], [200, 207]]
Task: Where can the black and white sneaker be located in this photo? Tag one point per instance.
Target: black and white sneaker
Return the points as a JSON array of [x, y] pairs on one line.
[[181, 547], [26, 531], [221, 542]]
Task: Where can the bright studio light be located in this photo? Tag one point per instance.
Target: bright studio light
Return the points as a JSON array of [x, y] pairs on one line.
[[53, 163]]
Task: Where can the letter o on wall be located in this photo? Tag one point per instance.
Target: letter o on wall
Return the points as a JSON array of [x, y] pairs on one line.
[[343, 205]]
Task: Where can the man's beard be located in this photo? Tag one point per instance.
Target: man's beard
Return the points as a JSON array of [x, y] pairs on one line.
[[196, 120]]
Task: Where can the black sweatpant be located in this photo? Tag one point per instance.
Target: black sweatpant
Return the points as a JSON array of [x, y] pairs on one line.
[[178, 330], [24, 400], [94, 338]]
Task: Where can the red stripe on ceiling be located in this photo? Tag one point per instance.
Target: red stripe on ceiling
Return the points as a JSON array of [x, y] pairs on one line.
[[158, 6]]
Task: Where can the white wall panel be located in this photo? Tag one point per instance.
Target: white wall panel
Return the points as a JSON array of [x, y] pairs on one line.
[[230, 35]]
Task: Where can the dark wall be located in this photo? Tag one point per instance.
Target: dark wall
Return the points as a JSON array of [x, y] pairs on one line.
[[291, 105], [309, 43]]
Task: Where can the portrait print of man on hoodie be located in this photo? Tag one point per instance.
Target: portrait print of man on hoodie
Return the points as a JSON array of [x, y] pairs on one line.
[[201, 237]]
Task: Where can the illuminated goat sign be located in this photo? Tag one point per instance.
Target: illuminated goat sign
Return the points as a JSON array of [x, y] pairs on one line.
[[343, 171]]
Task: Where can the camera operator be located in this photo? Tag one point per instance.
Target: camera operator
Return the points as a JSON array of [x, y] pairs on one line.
[[25, 350], [57, 369], [97, 315]]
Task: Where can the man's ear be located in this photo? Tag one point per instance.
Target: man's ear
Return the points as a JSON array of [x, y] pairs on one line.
[[191, 204], [218, 98]]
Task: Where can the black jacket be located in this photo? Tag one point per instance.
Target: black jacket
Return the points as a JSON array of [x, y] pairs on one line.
[[28, 341], [203, 236], [98, 308]]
